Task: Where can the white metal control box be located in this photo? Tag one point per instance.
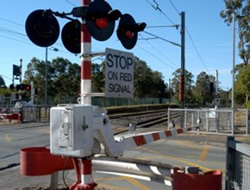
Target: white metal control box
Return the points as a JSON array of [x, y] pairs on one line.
[[72, 130]]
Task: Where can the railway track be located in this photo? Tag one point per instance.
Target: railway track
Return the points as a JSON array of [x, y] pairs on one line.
[[145, 123], [124, 115]]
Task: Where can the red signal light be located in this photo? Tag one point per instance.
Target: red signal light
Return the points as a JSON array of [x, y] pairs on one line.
[[102, 22], [129, 34], [28, 87]]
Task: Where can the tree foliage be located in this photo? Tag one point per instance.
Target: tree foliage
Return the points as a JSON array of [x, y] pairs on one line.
[[242, 84], [2, 82], [241, 9], [202, 90], [189, 98], [147, 83], [64, 79]]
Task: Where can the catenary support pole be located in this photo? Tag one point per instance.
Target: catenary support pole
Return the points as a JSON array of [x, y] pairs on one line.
[[85, 60], [182, 79]]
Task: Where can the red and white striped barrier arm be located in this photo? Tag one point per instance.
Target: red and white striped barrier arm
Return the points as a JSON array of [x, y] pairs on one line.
[[146, 138], [11, 116]]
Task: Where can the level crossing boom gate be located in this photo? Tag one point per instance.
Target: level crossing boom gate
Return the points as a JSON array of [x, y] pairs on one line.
[[82, 131]]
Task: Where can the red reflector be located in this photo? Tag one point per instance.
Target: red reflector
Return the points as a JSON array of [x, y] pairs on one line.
[[102, 22], [129, 34], [27, 87]]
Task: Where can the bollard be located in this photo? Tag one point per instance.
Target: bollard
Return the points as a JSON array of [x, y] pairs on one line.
[[211, 180]]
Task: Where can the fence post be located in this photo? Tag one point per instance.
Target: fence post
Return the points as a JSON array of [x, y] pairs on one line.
[[168, 117], [217, 118], [185, 121], [207, 120], [192, 120], [247, 121], [229, 164], [232, 122]]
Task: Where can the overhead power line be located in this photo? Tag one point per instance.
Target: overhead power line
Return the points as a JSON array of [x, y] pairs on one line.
[[157, 8], [6, 30], [173, 43], [6, 20], [150, 53], [70, 3], [160, 52], [190, 37], [196, 50], [178, 12]]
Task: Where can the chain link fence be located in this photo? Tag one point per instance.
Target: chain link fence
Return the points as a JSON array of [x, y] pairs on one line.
[[212, 120], [237, 165], [35, 114]]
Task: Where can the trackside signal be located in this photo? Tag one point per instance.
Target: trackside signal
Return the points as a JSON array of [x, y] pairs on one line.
[[100, 20], [42, 28], [71, 36], [26, 87], [128, 29]]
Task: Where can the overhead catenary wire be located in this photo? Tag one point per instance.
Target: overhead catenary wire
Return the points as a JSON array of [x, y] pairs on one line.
[[12, 22], [157, 8], [69, 2], [178, 12], [161, 38], [191, 39], [150, 53], [160, 52], [196, 50]]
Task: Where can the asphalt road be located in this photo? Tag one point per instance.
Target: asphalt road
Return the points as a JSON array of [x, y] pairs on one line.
[[207, 152]]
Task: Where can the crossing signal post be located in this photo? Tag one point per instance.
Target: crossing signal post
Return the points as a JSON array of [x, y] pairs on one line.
[[98, 21], [128, 29]]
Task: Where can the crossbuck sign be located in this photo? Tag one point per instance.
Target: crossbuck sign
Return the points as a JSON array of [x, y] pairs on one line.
[[119, 77]]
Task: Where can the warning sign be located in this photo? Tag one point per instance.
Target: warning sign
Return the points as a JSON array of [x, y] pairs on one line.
[[119, 74]]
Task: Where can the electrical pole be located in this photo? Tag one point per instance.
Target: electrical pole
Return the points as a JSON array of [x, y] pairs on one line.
[[182, 91], [169, 88], [233, 74], [233, 67]]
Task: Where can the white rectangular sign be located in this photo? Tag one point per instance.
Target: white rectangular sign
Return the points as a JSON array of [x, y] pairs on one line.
[[119, 77]]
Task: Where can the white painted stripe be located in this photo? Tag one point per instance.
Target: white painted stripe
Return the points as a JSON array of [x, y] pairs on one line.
[[126, 165], [86, 48], [162, 135], [129, 143], [149, 138], [155, 170], [86, 179], [174, 132], [127, 175], [166, 182], [87, 86]]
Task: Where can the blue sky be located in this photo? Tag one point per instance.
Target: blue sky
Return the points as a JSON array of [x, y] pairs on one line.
[[211, 36]]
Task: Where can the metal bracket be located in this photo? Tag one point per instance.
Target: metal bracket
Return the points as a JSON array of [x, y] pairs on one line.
[[86, 55]]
